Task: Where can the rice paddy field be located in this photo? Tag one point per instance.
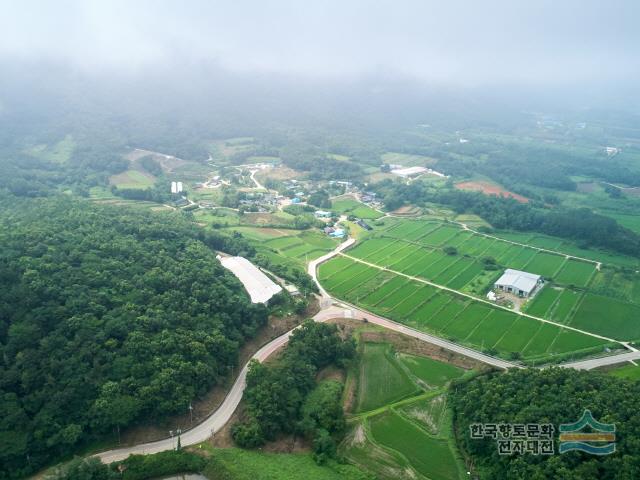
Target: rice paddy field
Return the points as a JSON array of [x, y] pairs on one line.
[[350, 206], [405, 272], [429, 371], [406, 435], [461, 319], [382, 380], [286, 245]]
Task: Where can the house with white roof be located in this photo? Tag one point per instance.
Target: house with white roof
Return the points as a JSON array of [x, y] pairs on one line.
[[518, 283]]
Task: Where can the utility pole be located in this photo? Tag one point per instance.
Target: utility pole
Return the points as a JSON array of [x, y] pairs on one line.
[[191, 413]]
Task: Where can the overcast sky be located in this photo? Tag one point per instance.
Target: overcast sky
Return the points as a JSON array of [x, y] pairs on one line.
[[471, 42]]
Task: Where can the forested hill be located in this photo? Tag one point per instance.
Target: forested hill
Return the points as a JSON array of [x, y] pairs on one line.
[[556, 396], [107, 316]]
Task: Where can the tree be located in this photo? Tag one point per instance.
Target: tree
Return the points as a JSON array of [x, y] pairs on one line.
[[125, 316], [84, 469], [277, 396]]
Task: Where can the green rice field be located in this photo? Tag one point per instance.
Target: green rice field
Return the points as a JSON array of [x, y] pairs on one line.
[[381, 379], [431, 457], [468, 321], [464, 320], [429, 371], [350, 206], [405, 429]]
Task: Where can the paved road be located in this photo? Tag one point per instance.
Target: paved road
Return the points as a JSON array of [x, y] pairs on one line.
[[313, 265], [213, 423], [354, 312], [603, 361]]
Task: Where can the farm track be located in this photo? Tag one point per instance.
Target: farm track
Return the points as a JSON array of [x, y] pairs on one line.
[[540, 249], [456, 292]]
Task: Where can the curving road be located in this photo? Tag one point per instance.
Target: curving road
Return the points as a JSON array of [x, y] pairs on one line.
[[354, 312], [221, 416], [212, 424]]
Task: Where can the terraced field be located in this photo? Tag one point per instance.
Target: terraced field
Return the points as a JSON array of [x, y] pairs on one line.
[[300, 247], [382, 379], [405, 431]]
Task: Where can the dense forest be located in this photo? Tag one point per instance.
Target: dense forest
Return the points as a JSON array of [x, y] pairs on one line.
[[108, 316], [553, 396], [583, 225], [283, 397]]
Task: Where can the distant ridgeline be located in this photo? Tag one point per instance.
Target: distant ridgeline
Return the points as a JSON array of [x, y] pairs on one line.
[[108, 316], [582, 224]]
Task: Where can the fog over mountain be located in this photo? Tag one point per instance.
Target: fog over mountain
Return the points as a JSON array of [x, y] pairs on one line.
[[571, 46]]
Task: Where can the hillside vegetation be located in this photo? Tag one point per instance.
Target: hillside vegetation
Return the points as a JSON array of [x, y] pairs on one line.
[[107, 316], [549, 396]]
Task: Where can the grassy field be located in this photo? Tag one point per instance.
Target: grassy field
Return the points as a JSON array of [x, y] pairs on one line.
[[350, 206], [628, 371], [255, 465], [60, 152], [133, 179], [569, 248], [381, 379], [449, 256], [575, 272], [286, 245], [608, 316], [429, 371], [630, 221]]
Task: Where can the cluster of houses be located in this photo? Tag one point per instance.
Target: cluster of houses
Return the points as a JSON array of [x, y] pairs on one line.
[[335, 232], [260, 202]]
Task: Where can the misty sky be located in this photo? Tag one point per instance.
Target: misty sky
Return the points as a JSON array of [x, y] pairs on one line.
[[471, 42]]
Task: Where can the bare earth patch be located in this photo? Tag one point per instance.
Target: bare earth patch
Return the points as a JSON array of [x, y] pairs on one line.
[[408, 211], [490, 189], [407, 344]]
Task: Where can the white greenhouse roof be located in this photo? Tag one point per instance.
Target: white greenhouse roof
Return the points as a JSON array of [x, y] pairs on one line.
[[408, 171], [260, 287], [524, 281]]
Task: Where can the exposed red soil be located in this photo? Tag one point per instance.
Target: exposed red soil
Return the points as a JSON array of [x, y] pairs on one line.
[[490, 189]]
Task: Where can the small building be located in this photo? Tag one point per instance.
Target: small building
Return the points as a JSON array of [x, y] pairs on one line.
[[364, 224], [322, 214], [295, 200], [329, 230], [337, 233], [518, 283], [292, 289]]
